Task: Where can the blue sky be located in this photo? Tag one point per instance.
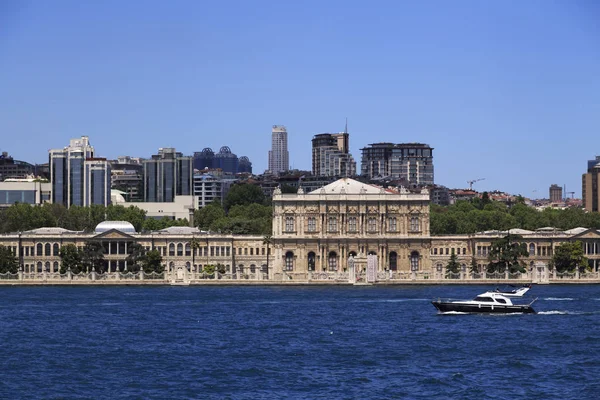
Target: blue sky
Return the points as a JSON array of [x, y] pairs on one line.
[[508, 90]]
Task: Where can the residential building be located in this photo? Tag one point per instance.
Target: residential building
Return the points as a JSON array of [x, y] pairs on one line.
[[331, 156], [409, 162], [127, 176], [166, 175], [279, 158], [556, 194], [590, 190], [209, 188]]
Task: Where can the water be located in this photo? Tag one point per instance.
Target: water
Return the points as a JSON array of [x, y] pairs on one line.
[[293, 342]]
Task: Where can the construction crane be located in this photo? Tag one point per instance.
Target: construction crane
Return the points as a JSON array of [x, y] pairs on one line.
[[572, 194], [471, 182]]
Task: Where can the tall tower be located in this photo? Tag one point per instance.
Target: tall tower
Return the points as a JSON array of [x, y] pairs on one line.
[[330, 156], [556, 194], [67, 169], [279, 158], [590, 190]]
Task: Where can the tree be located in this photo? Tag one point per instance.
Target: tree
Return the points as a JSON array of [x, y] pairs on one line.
[[453, 266], [505, 254], [152, 262], [194, 245], [8, 261], [135, 256], [70, 258], [268, 240], [93, 257], [206, 216], [244, 194], [569, 256]]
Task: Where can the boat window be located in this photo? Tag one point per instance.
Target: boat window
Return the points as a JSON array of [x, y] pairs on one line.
[[487, 299], [501, 300]]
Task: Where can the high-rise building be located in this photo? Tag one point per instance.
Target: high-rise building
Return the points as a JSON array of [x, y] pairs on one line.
[[67, 175], [226, 160], [96, 182], [331, 157], [590, 191], [204, 159], [166, 175], [279, 158], [556, 194], [408, 162]]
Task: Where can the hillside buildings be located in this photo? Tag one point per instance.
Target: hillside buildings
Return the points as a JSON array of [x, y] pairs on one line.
[[279, 158], [411, 163]]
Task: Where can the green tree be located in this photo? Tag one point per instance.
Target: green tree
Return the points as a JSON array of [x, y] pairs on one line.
[[505, 253], [136, 254], [244, 194], [194, 245], [8, 261], [453, 266], [206, 216], [93, 257], [569, 256], [70, 258], [268, 240], [152, 262], [288, 189]]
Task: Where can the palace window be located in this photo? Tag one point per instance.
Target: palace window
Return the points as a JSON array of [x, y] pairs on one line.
[[312, 224], [289, 261], [372, 224], [188, 249], [47, 249], [393, 261], [531, 249], [179, 249], [332, 261], [172, 249], [311, 261], [332, 224], [352, 224], [392, 226], [289, 224], [414, 224], [414, 261], [55, 249]]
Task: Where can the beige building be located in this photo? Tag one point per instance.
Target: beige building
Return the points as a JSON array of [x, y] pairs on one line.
[[319, 231]]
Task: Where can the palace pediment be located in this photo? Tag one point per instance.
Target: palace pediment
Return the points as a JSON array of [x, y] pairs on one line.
[[588, 234], [114, 234]]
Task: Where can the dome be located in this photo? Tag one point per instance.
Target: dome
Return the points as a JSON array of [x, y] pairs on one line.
[[122, 226]]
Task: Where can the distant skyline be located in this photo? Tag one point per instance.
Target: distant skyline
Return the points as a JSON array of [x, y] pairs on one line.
[[508, 91]]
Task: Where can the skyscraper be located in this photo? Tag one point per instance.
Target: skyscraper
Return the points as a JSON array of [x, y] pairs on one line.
[[166, 175], [279, 158], [590, 191], [409, 162], [556, 194], [67, 175], [96, 182], [331, 157]]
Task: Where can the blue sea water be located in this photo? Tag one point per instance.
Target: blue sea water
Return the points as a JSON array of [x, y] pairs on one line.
[[231, 342]]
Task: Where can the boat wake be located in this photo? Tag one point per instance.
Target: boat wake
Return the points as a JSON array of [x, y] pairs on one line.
[[554, 312], [559, 298]]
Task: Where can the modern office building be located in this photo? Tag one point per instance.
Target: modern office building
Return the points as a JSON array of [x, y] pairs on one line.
[[67, 174], [15, 169], [204, 159], [245, 166], [166, 175], [226, 161], [590, 192], [409, 162], [331, 156], [556, 194], [279, 158], [127, 176], [96, 182]]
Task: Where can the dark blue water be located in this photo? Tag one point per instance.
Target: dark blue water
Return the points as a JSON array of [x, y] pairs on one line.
[[293, 342]]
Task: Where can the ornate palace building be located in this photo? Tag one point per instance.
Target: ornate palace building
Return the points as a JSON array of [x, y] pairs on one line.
[[314, 235]]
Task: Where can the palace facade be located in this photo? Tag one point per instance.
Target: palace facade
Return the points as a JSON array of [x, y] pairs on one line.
[[314, 235]]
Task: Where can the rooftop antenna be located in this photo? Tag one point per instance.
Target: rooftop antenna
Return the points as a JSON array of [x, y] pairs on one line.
[[346, 128]]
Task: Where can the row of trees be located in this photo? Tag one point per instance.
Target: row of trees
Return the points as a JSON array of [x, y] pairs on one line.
[[508, 254], [479, 215]]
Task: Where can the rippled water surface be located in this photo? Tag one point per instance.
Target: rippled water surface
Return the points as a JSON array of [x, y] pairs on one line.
[[294, 342]]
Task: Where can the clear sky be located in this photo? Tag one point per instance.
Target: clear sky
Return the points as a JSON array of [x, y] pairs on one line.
[[503, 90]]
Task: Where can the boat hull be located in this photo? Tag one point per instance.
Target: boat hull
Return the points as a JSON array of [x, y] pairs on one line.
[[444, 306]]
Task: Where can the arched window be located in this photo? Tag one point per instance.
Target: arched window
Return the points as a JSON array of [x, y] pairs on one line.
[[289, 224], [179, 249], [39, 250], [332, 261], [352, 226], [332, 224], [47, 249], [439, 267], [171, 265], [188, 266], [312, 224], [252, 268], [531, 249], [289, 261], [372, 225], [352, 254], [312, 261], [171, 249], [39, 266], [188, 250], [392, 224], [414, 261], [393, 261], [55, 249], [414, 224], [47, 266], [56, 268]]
